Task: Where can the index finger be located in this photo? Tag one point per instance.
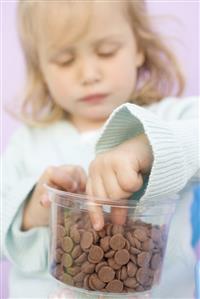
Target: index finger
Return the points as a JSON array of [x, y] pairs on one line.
[[95, 211]]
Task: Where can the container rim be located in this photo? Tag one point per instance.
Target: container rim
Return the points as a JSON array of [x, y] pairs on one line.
[[170, 200]]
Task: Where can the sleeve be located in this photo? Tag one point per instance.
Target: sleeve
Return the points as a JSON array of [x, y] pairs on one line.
[[26, 250], [172, 130]]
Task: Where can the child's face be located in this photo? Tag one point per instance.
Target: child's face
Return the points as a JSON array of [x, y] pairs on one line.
[[93, 75]]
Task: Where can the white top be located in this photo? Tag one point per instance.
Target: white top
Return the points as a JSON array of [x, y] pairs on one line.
[[171, 127]]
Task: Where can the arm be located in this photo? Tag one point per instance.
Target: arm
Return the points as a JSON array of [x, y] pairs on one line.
[[17, 185], [173, 135], [130, 138], [26, 233]]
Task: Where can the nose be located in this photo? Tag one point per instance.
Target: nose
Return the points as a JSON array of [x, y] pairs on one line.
[[89, 72]]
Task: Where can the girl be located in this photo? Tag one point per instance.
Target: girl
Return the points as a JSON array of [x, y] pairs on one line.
[[90, 66]]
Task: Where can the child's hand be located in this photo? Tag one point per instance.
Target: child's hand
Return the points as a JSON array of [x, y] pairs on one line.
[[69, 178], [116, 174]]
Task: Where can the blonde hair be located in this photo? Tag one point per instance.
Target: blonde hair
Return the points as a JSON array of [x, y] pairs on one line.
[[158, 77]]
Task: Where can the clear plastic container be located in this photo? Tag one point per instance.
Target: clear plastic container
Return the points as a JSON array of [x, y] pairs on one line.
[[117, 260]]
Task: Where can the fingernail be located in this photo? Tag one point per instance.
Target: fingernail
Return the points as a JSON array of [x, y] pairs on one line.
[[97, 226], [44, 200], [74, 186]]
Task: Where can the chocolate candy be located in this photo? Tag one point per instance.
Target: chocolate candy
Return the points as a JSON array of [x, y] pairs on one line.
[[122, 257], [86, 240], [95, 254], [119, 258], [115, 286], [106, 274], [67, 244], [87, 267], [66, 260], [117, 242]]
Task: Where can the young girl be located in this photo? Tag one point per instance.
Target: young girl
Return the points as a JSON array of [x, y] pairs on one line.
[[90, 66]]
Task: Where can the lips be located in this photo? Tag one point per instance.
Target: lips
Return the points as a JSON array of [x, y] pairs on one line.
[[94, 98]]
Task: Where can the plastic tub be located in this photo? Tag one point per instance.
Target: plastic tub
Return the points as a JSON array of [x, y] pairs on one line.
[[118, 260]]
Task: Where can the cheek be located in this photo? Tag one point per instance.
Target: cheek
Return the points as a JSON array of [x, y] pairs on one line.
[[124, 68], [57, 84], [124, 75]]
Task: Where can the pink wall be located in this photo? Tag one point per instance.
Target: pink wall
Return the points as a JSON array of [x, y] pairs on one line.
[[185, 29]]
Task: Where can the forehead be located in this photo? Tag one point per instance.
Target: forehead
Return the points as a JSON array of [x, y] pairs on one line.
[[62, 23]]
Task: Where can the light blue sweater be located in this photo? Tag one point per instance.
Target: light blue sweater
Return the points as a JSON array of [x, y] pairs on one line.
[[171, 127]]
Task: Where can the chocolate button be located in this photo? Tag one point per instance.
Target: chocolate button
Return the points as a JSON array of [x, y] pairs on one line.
[[96, 282], [105, 243], [124, 273], [130, 238], [95, 235], [109, 254], [67, 244], [108, 228], [117, 229], [134, 250], [113, 264], [117, 242], [60, 231], [147, 245], [86, 282], [106, 274], [66, 278], [127, 246], [73, 270], [79, 277], [82, 258], [76, 252], [58, 255], [88, 267], [130, 282], [100, 265], [67, 260], [86, 240], [137, 243], [155, 234], [102, 233], [75, 235], [121, 257], [140, 234], [139, 288], [57, 271], [143, 259], [115, 286], [142, 275], [118, 274], [133, 259], [156, 261], [95, 254], [131, 269]]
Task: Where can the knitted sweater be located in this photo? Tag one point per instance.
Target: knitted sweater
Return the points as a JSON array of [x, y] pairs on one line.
[[171, 127]]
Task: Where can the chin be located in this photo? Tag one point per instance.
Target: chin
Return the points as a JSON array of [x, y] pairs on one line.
[[98, 112]]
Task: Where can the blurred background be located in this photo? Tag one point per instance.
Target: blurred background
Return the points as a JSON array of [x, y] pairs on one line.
[[178, 20]]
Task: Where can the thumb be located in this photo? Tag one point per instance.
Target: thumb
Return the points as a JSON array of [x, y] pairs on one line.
[[62, 179], [45, 201]]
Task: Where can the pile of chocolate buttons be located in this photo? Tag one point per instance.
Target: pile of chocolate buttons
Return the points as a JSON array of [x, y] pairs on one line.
[[119, 258]]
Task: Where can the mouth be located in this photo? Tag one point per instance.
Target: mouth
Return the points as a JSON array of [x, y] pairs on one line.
[[94, 98]]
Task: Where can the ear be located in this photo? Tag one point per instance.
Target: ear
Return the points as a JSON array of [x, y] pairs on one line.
[[140, 59]]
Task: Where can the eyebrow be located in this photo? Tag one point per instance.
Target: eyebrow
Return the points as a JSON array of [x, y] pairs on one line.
[[70, 49]]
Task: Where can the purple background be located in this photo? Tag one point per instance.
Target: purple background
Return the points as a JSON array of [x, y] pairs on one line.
[[182, 27]]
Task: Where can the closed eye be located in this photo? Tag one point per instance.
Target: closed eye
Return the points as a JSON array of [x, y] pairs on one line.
[[67, 62], [106, 54]]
